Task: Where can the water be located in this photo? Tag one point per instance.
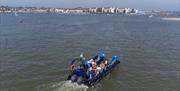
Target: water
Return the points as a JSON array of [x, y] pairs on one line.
[[35, 50], [63, 86]]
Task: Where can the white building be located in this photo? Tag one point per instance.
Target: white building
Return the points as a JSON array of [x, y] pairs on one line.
[[111, 10], [52, 10], [105, 10], [58, 10], [73, 11], [93, 10], [134, 11], [108, 10], [127, 10], [119, 10]]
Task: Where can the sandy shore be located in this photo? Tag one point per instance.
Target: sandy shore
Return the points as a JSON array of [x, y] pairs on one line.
[[173, 19]]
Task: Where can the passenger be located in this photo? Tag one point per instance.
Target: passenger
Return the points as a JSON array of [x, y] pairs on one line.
[[106, 62], [89, 66], [89, 72], [89, 69], [90, 61], [72, 67], [85, 67], [98, 70], [94, 65], [102, 65], [93, 72]]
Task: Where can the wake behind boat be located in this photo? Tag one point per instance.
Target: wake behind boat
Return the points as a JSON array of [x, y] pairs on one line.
[[88, 72]]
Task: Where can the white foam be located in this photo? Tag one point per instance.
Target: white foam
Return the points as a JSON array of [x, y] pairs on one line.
[[69, 86], [64, 86]]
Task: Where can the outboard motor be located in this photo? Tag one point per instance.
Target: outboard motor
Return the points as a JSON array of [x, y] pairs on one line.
[[72, 65], [80, 72], [78, 76], [73, 78]]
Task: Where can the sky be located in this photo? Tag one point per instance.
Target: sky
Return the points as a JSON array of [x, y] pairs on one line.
[[165, 5]]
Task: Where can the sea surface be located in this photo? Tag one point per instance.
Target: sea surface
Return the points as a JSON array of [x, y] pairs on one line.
[[35, 50]]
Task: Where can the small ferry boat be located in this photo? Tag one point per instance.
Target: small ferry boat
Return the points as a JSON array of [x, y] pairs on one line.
[[88, 72]]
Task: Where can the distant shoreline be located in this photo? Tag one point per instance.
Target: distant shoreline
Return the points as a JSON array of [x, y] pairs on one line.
[[84, 10], [78, 10], [172, 18]]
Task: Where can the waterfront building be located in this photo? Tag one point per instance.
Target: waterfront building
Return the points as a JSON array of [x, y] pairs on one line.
[[112, 10], [119, 10], [52, 10], [109, 10], [105, 10], [78, 10], [73, 11], [134, 11], [99, 10], [127, 10], [58, 10], [92, 10]]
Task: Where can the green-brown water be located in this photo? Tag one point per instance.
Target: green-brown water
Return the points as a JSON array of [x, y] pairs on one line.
[[35, 50]]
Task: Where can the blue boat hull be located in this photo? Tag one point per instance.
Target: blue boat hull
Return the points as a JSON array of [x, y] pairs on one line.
[[82, 79], [104, 73]]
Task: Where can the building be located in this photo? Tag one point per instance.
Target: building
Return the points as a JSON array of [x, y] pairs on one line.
[[119, 10], [99, 10], [108, 10], [73, 11], [112, 10], [58, 10], [127, 10], [92, 10], [134, 11]]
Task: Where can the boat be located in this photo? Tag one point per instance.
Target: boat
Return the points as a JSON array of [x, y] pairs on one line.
[[150, 16], [82, 75]]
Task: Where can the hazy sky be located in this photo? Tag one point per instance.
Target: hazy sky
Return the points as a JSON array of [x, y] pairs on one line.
[[139, 4]]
